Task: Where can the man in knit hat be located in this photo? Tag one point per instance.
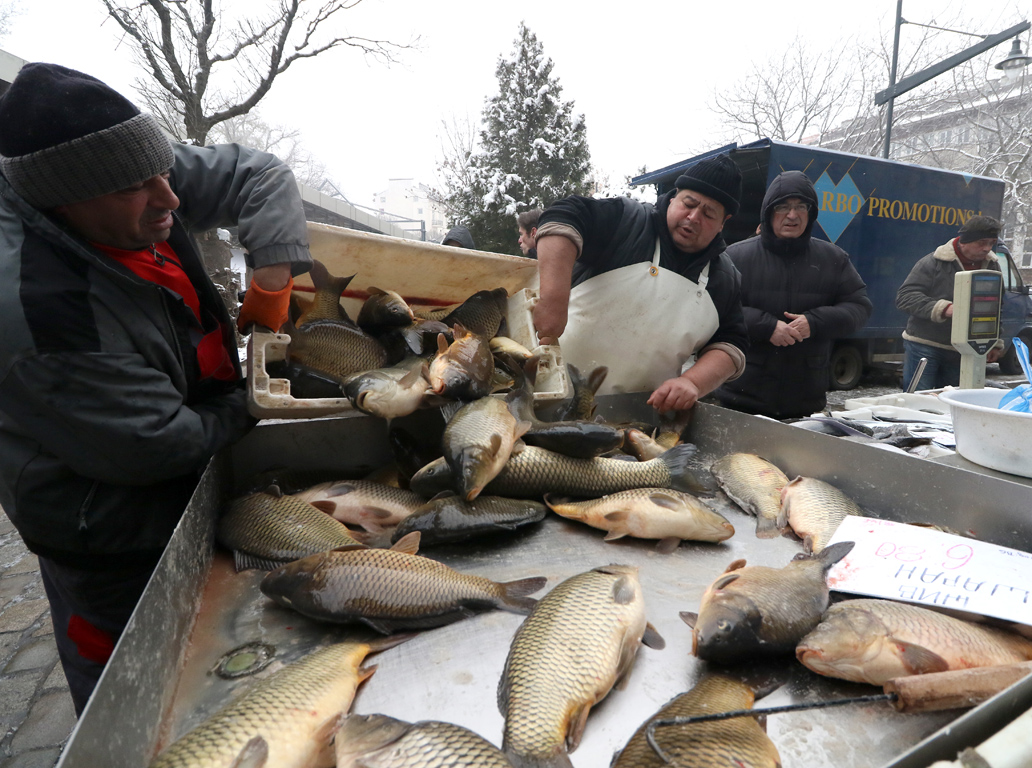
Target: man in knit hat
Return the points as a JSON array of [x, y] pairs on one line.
[[927, 296], [647, 290], [119, 375], [799, 295]]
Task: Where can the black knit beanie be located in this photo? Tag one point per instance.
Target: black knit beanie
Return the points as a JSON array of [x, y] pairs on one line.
[[979, 228], [718, 177], [67, 137]]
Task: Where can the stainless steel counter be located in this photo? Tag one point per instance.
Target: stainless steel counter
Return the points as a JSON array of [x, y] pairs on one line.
[[196, 608]]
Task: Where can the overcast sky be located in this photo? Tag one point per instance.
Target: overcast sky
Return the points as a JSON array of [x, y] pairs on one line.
[[641, 73]]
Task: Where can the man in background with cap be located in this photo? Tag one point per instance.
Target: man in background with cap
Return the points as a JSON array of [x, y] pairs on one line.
[[927, 296], [799, 295], [119, 374], [652, 289]]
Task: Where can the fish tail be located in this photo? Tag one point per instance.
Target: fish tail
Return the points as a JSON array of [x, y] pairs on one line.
[[686, 475], [514, 594]]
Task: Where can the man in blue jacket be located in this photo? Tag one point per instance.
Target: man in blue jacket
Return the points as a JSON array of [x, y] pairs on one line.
[[799, 294], [119, 375]]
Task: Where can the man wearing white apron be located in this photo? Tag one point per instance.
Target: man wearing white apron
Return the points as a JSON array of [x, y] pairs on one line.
[[654, 298]]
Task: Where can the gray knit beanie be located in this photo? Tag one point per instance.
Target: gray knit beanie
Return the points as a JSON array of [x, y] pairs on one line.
[[67, 137]]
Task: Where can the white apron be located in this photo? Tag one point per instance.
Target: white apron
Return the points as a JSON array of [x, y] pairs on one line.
[[643, 322]]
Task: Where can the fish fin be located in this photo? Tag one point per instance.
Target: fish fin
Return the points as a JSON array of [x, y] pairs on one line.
[[596, 377], [459, 331], [442, 495], [385, 643], [723, 581], [918, 660], [407, 544], [575, 730], [324, 505], [617, 516], [496, 444], [623, 591], [613, 535], [808, 545], [448, 410], [274, 490], [378, 513], [761, 720], [374, 291], [553, 500], [411, 377], [243, 561], [652, 638], [766, 528], [340, 489], [522, 427], [668, 545], [517, 448], [831, 555], [665, 500], [378, 539], [383, 627], [442, 344], [686, 475], [323, 737], [689, 618], [514, 593], [736, 565], [254, 754]]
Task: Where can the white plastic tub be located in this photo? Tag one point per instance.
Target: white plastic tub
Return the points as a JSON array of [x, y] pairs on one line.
[[1000, 440]]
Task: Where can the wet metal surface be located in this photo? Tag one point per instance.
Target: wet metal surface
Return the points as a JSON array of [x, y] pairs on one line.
[[452, 673]]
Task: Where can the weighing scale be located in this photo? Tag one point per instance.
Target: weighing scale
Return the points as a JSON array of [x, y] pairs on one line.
[[977, 303]]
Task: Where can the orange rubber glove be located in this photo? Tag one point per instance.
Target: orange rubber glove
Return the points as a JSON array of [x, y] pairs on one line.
[[267, 308]]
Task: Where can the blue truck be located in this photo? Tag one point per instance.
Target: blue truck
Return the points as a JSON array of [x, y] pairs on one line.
[[886, 215]]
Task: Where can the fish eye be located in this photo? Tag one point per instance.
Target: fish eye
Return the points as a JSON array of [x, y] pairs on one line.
[[723, 625]]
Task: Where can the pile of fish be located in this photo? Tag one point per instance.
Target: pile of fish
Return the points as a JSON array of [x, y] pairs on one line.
[[347, 551]]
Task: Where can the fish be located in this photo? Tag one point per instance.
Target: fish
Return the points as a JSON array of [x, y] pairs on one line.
[[335, 348], [379, 741], [579, 439], [581, 404], [546, 691], [373, 506], [647, 513], [483, 313], [755, 485], [268, 528], [814, 510], [462, 370], [503, 345], [305, 383], [325, 304], [287, 720], [390, 392], [433, 312], [412, 452], [873, 641], [737, 741], [756, 610], [384, 310], [533, 472], [448, 518], [391, 589], [641, 445], [477, 443]]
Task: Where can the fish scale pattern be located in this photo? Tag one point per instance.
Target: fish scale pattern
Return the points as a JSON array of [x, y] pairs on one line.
[[360, 494], [567, 655], [288, 709], [336, 348], [738, 741], [280, 528], [752, 483], [440, 745], [454, 519], [815, 509]]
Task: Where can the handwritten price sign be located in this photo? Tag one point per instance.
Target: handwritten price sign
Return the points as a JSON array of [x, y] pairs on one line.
[[919, 565]]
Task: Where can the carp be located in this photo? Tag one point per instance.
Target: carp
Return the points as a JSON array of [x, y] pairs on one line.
[[335, 348], [814, 510], [463, 369], [390, 392], [738, 741], [267, 529], [483, 313], [873, 641], [379, 741], [581, 404], [391, 590], [383, 310], [477, 443], [647, 513], [287, 720], [448, 518], [755, 485], [759, 610], [325, 304], [546, 692], [370, 505]]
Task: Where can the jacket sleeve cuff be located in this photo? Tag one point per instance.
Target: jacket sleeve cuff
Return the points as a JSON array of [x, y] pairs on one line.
[[297, 256], [737, 356], [938, 309], [563, 230]]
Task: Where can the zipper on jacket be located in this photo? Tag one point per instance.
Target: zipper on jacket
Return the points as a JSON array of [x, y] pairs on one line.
[[86, 504]]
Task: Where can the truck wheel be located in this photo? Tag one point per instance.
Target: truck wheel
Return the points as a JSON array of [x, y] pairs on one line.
[[847, 365]]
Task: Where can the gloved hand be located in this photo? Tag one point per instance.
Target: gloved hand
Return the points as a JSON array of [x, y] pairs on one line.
[[267, 308]]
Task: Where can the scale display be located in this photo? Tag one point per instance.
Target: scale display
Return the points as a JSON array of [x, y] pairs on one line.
[[977, 304]]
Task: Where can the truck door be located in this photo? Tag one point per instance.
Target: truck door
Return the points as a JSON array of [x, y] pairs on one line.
[[1016, 317]]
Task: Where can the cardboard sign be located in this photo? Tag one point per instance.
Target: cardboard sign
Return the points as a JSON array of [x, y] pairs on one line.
[[927, 567]]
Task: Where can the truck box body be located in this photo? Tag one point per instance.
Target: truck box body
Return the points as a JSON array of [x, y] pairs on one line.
[[885, 214]]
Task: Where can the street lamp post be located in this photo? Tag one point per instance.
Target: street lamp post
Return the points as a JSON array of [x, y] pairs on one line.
[[1012, 65]]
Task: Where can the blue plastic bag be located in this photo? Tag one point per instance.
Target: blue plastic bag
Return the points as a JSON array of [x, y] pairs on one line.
[[1020, 398]]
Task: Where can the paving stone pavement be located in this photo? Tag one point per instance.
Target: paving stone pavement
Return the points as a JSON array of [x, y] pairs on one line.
[[36, 712]]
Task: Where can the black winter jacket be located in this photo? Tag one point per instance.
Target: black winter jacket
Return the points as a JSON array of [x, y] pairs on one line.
[[618, 232], [803, 276], [105, 424]]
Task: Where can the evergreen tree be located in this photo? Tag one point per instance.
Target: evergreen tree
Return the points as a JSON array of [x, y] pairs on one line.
[[533, 151]]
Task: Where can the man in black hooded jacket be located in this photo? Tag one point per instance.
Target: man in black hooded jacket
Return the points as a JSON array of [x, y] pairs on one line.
[[799, 294]]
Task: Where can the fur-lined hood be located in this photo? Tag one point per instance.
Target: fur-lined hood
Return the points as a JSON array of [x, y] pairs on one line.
[[946, 252]]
